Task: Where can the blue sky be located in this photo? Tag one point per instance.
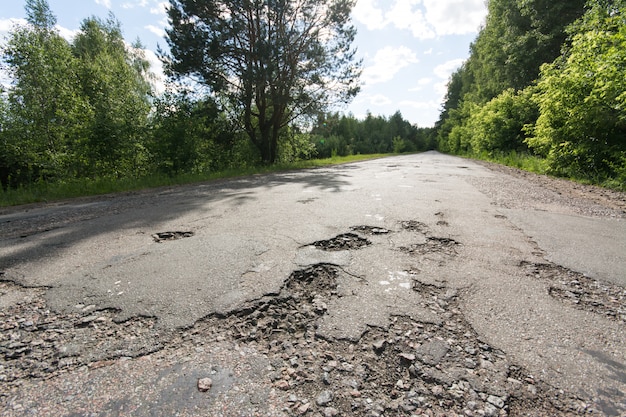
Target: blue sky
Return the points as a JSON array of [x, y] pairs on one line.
[[409, 47]]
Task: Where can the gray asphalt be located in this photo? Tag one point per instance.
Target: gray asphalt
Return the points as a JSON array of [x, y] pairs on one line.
[[250, 234]]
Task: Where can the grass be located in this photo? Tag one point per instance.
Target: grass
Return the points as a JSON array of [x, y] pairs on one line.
[[540, 165], [61, 190], [514, 159]]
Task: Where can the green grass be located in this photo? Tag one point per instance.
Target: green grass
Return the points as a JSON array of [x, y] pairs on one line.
[[61, 190], [540, 165], [522, 161]]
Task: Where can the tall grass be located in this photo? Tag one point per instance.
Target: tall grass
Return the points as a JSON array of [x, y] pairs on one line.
[[60, 190]]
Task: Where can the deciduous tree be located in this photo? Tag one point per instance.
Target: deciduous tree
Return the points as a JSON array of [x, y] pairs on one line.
[[269, 61]]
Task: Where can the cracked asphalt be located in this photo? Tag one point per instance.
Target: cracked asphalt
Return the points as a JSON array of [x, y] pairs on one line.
[[405, 286]]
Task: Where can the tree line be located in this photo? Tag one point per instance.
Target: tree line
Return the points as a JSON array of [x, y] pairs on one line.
[[545, 78], [243, 80], [340, 134]]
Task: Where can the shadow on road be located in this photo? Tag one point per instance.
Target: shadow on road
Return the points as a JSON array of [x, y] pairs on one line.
[[33, 233]]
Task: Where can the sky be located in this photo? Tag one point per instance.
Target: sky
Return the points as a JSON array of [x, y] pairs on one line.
[[409, 48]]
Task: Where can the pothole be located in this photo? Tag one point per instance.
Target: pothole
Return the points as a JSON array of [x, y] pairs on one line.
[[433, 245], [581, 292], [165, 236], [345, 241], [370, 230], [414, 226], [408, 368]]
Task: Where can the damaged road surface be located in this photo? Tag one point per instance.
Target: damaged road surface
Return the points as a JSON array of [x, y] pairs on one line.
[[422, 285]]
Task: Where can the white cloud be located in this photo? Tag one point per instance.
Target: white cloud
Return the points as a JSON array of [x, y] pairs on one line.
[[159, 31], [105, 3], [403, 16], [132, 5], [366, 12], [444, 71], [428, 51], [156, 67], [425, 19], [387, 62], [6, 25], [160, 8], [67, 34], [455, 17], [447, 68]]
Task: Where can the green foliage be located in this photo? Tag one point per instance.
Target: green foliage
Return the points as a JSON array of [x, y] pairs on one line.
[[271, 61], [335, 134], [582, 98], [500, 125], [46, 112], [118, 96], [295, 146], [190, 135], [516, 94]]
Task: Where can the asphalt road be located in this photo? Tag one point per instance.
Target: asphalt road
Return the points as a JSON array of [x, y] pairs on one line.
[[428, 221]]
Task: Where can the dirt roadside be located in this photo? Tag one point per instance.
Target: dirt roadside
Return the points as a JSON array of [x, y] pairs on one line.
[[268, 358]]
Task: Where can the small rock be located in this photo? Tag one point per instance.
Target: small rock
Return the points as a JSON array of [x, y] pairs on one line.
[[304, 408], [379, 345], [326, 378], [330, 412], [324, 398], [497, 401], [282, 385], [204, 384], [490, 411], [437, 390]]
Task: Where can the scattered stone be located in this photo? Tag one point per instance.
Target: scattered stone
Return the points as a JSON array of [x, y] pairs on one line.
[[282, 385], [205, 384], [324, 398], [379, 345], [304, 408], [330, 412]]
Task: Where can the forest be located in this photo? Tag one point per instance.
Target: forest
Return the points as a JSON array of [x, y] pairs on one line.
[[546, 79]]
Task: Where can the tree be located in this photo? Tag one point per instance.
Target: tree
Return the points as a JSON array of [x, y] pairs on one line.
[[582, 98], [47, 111], [113, 81], [269, 61], [189, 135]]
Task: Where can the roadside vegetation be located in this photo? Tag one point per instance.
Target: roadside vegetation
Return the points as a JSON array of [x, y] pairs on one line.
[[82, 117], [544, 89]]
